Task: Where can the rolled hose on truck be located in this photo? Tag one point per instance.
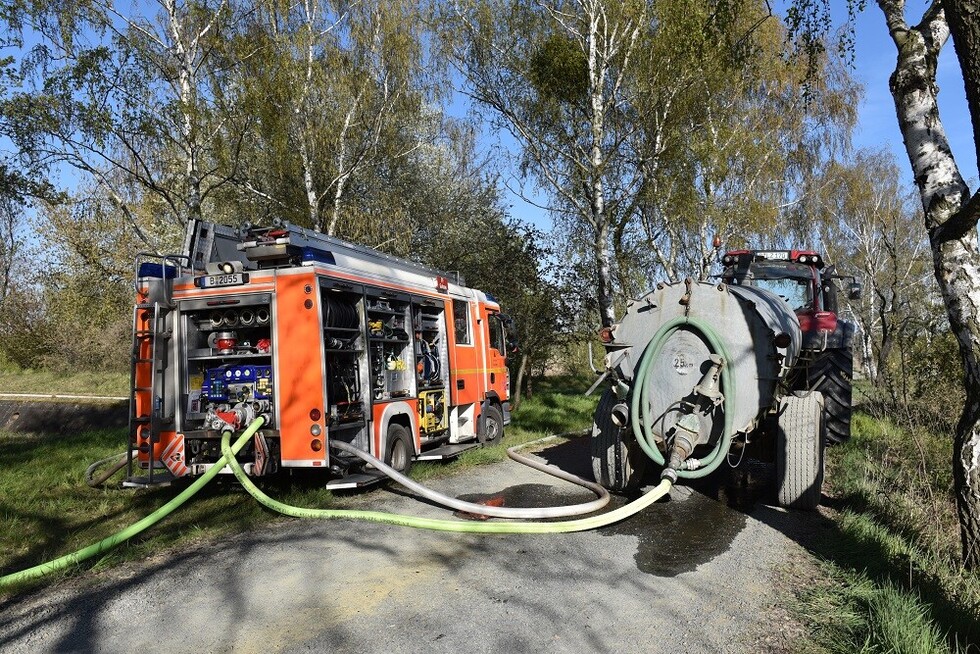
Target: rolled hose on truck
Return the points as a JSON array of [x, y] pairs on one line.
[[642, 422], [229, 450]]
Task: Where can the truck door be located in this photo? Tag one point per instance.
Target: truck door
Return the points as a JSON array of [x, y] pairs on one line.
[[496, 345]]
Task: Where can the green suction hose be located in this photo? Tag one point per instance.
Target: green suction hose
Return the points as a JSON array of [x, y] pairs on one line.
[[109, 542], [640, 417], [582, 524], [228, 452]]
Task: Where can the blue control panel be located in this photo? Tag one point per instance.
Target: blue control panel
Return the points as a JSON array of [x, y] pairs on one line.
[[236, 383]]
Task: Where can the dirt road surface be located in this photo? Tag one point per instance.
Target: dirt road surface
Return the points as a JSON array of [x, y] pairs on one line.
[[696, 573]]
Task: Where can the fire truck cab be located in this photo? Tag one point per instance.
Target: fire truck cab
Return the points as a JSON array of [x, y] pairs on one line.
[[329, 340]]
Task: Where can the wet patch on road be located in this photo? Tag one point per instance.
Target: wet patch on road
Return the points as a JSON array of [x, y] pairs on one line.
[[699, 522], [528, 496]]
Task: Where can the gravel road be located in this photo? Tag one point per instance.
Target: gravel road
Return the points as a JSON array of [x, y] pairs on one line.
[[693, 574]]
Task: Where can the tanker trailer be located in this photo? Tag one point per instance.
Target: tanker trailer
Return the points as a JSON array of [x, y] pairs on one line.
[[694, 367]]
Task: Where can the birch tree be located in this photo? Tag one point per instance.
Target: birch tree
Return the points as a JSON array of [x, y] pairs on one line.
[[131, 100], [552, 74], [339, 86], [950, 209]]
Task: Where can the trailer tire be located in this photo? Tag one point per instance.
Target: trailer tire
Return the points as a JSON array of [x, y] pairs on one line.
[[398, 449], [618, 462], [493, 426], [799, 450], [831, 373]]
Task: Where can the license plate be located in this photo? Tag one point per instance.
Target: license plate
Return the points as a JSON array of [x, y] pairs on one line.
[[773, 256], [215, 281]]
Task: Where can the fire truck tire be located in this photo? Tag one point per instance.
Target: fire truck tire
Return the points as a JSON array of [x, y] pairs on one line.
[[618, 462], [493, 426], [398, 453], [831, 374], [799, 450]]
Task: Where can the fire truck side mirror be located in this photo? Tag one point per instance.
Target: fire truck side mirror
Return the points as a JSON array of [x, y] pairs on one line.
[[511, 330]]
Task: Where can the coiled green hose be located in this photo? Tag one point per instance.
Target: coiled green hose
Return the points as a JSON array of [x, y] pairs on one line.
[[462, 526], [640, 417], [109, 542]]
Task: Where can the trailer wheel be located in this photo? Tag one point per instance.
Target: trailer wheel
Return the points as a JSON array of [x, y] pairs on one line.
[[831, 374], [493, 426], [398, 453], [799, 450], [617, 460]]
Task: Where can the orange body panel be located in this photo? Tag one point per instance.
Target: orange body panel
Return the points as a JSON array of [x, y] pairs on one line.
[[381, 414], [299, 367]]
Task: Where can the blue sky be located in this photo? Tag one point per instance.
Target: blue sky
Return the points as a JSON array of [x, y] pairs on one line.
[[878, 127]]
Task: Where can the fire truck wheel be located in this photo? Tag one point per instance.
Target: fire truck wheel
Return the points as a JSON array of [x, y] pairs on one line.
[[493, 426], [398, 453], [799, 450], [618, 461]]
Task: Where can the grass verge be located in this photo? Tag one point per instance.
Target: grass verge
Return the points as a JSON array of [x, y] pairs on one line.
[[892, 580], [47, 510], [46, 382]]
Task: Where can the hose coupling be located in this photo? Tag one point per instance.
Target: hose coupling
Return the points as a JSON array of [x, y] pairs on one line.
[[620, 415], [670, 475]]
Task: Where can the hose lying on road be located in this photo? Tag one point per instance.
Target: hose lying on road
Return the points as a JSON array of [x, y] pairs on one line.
[[538, 513], [109, 542], [582, 524], [229, 450]]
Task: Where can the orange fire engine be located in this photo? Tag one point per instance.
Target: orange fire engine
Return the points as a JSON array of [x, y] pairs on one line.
[[330, 341]]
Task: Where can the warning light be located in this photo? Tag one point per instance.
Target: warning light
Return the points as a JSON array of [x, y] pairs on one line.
[[315, 414], [606, 335], [442, 284], [316, 445]]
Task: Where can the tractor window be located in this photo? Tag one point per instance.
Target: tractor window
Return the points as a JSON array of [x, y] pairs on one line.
[[461, 322], [796, 292]]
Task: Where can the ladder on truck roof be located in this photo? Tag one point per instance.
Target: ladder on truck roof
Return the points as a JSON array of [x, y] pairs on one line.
[[151, 336], [284, 242]]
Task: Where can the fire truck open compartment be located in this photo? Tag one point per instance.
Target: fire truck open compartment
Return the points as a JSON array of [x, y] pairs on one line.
[[228, 345]]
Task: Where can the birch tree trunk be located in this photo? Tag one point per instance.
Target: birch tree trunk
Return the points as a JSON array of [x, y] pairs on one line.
[[950, 215]]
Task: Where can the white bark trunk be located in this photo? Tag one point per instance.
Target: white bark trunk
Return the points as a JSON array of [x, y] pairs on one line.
[[952, 235]]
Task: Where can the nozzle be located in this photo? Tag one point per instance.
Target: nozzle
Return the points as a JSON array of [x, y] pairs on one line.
[[708, 386], [620, 415]]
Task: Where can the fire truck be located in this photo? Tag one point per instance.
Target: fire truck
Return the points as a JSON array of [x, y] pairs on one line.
[[328, 340]]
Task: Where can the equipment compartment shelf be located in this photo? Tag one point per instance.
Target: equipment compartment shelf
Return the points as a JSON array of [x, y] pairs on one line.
[[345, 425], [386, 312], [377, 339], [341, 351], [348, 330], [237, 355]]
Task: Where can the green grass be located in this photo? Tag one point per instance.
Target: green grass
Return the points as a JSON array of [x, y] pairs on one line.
[[892, 578], [16, 380], [47, 510]]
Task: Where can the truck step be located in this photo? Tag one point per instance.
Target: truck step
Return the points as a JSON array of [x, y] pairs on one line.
[[161, 478], [357, 480], [446, 452]]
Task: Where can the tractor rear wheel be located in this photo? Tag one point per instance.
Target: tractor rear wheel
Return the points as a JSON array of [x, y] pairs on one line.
[[799, 450], [831, 373], [618, 461]]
